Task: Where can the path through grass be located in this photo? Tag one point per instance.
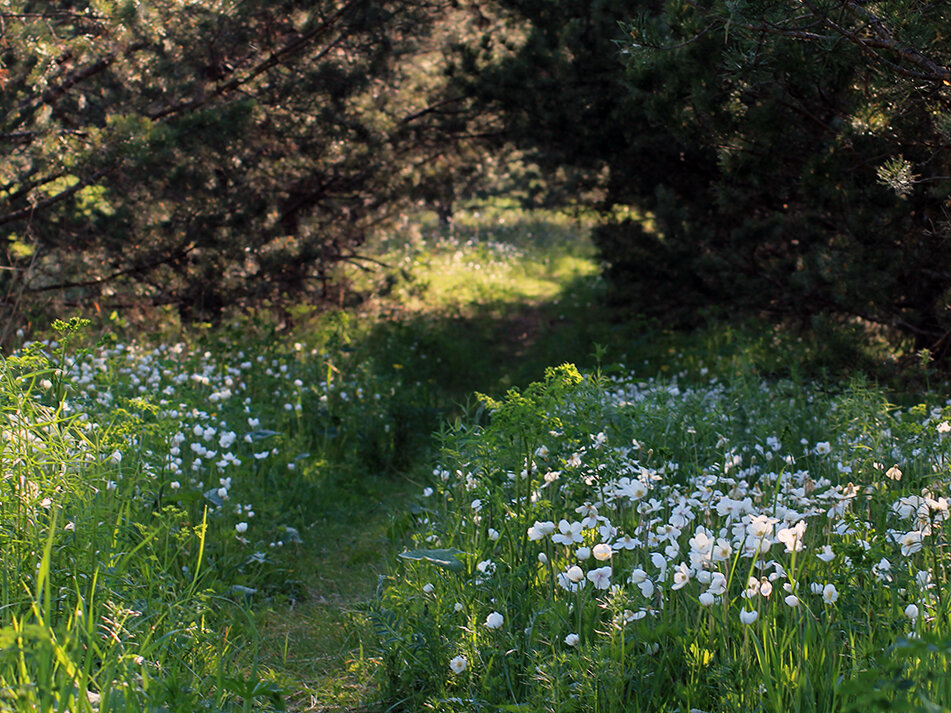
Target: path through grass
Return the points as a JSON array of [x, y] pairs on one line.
[[485, 309], [482, 310]]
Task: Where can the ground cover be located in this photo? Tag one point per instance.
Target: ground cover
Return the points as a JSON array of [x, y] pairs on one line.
[[695, 542], [212, 512]]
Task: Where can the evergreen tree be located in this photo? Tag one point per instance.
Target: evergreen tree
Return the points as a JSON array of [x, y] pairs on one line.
[[203, 154], [786, 157]]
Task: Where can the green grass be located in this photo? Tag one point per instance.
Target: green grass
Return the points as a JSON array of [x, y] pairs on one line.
[[164, 593], [614, 463]]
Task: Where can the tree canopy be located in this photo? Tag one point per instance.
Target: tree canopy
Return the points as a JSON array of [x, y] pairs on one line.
[[789, 158], [207, 153]]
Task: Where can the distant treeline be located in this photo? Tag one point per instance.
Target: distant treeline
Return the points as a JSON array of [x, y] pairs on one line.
[[787, 158]]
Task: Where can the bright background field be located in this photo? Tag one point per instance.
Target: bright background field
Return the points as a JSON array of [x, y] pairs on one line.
[[328, 515]]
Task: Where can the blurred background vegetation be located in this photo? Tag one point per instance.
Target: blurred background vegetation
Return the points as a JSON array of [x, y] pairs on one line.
[[786, 161]]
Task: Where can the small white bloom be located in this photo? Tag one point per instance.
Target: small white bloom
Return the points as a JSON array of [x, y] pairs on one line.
[[241, 527], [792, 600], [458, 664], [748, 616], [894, 473], [583, 553], [602, 552], [681, 576], [428, 588], [600, 577], [542, 558], [486, 567], [569, 533], [494, 620], [493, 534], [572, 639], [707, 599], [792, 536], [829, 594], [911, 611], [575, 573], [426, 493], [457, 606]]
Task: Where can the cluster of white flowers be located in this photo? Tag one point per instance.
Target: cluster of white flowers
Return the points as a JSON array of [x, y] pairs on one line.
[[745, 518]]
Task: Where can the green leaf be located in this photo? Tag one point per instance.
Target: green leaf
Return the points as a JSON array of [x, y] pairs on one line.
[[447, 559], [262, 435]]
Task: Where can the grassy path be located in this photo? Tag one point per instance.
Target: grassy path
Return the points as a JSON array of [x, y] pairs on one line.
[[462, 315], [472, 315], [316, 644], [484, 311]]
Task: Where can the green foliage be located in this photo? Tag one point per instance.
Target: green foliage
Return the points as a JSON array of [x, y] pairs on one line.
[[617, 606], [788, 159], [213, 155]]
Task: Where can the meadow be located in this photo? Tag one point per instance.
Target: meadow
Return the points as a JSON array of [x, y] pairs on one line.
[[474, 489]]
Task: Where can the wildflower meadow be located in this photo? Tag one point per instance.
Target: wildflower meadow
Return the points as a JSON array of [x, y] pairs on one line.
[[695, 543], [366, 514]]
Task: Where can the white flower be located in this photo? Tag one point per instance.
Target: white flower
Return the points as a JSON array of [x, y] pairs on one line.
[[486, 567], [717, 583], [600, 577], [766, 588], [911, 611], [829, 594], [572, 639], [823, 448], [944, 428], [542, 558], [426, 493], [760, 526], [494, 620], [707, 599], [637, 576], [894, 473], [911, 542], [602, 552], [241, 527], [493, 534], [722, 550], [568, 533], [428, 588], [792, 536], [583, 553], [458, 664], [626, 542], [575, 573], [567, 584], [792, 600], [827, 555], [748, 616], [681, 576], [457, 607]]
